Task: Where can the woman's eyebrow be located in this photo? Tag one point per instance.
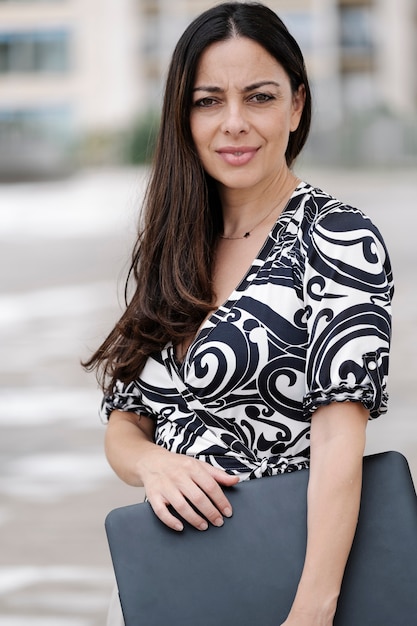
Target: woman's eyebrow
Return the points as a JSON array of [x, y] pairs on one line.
[[252, 87], [208, 88], [261, 83]]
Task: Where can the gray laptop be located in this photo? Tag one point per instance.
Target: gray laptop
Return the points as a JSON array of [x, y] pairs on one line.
[[246, 572]]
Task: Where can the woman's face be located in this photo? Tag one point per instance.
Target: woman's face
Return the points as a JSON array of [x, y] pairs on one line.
[[243, 110]]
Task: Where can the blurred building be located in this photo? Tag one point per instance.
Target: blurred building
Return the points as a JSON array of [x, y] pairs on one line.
[[361, 56], [361, 53], [68, 69], [78, 71]]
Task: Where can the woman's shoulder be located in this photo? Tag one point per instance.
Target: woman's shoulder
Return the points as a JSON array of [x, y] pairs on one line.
[[320, 203], [332, 229], [320, 209]]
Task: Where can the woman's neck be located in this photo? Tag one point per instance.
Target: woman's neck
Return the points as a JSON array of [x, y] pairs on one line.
[[243, 209]]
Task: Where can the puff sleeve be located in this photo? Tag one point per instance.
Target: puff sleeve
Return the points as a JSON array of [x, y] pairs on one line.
[[347, 292], [124, 397]]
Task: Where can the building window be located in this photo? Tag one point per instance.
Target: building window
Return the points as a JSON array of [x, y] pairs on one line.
[[45, 122], [35, 142], [34, 51], [357, 38], [357, 29]]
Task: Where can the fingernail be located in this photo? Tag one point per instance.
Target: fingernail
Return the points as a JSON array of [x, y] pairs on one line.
[[179, 526], [218, 522], [227, 512], [203, 526]]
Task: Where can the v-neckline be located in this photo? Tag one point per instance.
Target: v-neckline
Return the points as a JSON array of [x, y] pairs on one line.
[[218, 314]]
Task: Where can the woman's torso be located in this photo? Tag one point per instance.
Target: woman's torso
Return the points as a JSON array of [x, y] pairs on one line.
[[243, 395]]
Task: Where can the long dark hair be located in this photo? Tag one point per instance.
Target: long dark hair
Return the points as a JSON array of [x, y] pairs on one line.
[[172, 259]]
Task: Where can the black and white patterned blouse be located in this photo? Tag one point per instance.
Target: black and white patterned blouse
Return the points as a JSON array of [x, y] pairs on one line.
[[309, 324]]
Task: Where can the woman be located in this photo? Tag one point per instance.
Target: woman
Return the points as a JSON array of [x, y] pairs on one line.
[[256, 339]]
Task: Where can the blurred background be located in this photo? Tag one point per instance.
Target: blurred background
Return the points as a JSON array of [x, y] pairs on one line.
[[80, 91], [81, 80]]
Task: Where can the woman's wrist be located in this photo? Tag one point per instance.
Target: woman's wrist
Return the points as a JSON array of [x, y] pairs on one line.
[[312, 607], [314, 614]]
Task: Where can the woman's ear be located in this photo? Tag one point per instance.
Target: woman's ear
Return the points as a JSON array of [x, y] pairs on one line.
[[298, 101]]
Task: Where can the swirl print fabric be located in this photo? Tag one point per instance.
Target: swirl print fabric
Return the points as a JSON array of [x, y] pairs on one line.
[[309, 324]]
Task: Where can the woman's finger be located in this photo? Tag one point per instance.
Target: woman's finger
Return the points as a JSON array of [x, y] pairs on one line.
[[210, 499], [194, 510], [160, 509], [192, 488]]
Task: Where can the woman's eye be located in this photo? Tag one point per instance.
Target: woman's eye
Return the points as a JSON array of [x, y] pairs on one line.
[[205, 102], [261, 97]]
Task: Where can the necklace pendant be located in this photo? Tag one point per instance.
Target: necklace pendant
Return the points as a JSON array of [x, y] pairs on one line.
[[246, 235]]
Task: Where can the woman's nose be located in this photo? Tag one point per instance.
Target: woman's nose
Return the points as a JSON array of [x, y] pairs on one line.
[[235, 121]]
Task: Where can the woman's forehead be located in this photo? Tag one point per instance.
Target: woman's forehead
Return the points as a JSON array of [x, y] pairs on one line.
[[239, 59]]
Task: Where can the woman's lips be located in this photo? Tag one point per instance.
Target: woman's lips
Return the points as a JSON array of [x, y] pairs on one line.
[[237, 155]]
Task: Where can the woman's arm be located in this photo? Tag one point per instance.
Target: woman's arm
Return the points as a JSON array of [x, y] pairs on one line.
[[337, 447], [168, 478]]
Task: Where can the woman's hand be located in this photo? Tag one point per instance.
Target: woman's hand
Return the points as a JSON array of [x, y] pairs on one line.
[[190, 486]]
